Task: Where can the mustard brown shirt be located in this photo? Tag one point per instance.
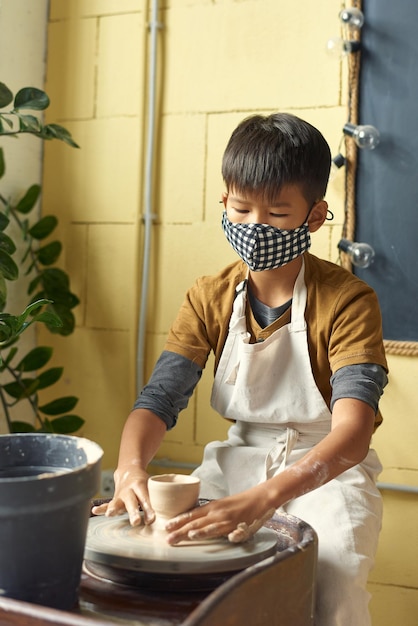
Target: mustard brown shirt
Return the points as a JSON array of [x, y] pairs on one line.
[[342, 314]]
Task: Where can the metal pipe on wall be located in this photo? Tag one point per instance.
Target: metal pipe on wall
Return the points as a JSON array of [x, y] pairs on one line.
[[149, 216], [397, 487]]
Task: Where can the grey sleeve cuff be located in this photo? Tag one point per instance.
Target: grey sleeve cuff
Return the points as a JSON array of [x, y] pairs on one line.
[[171, 385], [364, 381]]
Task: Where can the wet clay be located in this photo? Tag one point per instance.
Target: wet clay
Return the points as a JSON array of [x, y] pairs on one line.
[[170, 495]]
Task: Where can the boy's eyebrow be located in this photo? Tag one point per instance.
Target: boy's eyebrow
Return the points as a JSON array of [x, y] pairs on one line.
[[244, 201], [241, 200], [281, 204]]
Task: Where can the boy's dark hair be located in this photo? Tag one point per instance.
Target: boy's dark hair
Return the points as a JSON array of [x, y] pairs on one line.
[[265, 153]]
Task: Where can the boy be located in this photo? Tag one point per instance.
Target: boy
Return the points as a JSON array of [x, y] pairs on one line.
[[299, 369]]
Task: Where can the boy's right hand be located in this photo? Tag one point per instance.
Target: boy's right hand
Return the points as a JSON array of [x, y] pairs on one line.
[[131, 492]]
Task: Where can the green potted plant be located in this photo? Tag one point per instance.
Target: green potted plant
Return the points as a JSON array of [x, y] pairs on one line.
[[47, 477], [50, 300]]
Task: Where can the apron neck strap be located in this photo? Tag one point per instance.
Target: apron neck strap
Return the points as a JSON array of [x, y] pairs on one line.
[[298, 322]]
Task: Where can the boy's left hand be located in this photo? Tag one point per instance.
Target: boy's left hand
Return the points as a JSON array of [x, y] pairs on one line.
[[237, 517]]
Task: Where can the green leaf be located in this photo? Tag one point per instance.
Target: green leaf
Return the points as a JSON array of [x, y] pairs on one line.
[[44, 227], [5, 333], [4, 221], [46, 427], [8, 267], [50, 377], [7, 121], [10, 356], [35, 359], [6, 96], [10, 320], [21, 427], [31, 98], [47, 255], [61, 405], [8, 326], [11, 326], [26, 204], [29, 123], [66, 424], [6, 243], [67, 321], [31, 308], [62, 299], [34, 283], [25, 388], [54, 279], [3, 292], [2, 163], [55, 131], [50, 319]]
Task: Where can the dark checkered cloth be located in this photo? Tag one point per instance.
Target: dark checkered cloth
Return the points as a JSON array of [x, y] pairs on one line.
[[264, 247]]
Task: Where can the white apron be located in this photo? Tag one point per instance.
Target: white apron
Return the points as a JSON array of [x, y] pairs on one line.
[[269, 389]]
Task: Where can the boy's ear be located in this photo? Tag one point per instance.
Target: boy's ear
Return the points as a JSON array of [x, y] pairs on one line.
[[317, 215], [224, 198]]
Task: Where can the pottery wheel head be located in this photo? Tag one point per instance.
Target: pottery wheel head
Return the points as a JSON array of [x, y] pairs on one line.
[[113, 541]]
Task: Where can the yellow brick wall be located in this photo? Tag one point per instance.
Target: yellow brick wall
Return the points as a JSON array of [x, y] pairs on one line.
[[219, 60], [95, 78], [23, 157]]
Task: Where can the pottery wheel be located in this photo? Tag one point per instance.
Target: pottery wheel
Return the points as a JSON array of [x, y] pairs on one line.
[[112, 541]]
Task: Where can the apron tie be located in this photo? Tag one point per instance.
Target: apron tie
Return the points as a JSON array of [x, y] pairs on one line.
[[281, 450]]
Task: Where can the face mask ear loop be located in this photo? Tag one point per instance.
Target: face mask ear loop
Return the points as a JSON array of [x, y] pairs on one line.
[[305, 221], [329, 217]]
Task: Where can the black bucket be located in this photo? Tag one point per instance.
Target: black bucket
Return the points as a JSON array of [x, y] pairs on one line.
[[46, 485]]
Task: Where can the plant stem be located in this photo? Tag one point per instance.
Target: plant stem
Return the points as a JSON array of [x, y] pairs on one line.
[[25, 237], [6, 410], [33, 402]]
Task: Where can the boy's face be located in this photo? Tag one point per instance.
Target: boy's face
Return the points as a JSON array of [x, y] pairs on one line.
[[290, 209]]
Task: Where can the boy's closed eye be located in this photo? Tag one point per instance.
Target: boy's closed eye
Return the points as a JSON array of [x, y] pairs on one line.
[[247, 211]]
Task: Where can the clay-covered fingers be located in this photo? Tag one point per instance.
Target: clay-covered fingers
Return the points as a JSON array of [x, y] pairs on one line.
[[211, 522], [203, 522], [211, 531], [129, 503], [100, 509], [187, 526], [245, 531], [131, 495], [116, 506]]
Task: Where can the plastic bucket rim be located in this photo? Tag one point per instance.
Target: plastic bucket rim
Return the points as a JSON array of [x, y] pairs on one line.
[[95, 455]]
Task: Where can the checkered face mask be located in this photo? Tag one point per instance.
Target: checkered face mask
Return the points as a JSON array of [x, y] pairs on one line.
[[264, 247]]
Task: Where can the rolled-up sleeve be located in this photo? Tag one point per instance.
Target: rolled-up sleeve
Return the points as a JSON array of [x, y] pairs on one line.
[[170, 387], [364, 381]]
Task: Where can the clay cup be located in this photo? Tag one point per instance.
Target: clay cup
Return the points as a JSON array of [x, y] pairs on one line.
[[172, 494]]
